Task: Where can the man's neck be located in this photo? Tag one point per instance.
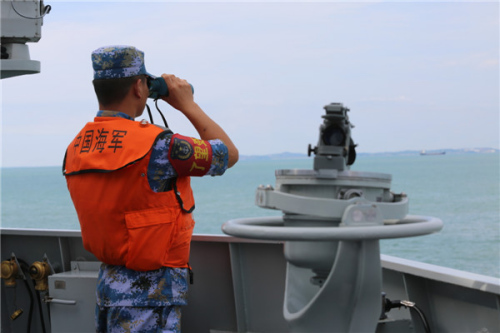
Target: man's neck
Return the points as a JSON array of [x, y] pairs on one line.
[[119, 108]]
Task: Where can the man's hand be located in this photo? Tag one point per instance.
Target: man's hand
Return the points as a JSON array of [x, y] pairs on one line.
[[180, 94], [180, 97]]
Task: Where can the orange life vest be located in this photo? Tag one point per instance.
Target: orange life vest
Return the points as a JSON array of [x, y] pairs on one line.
[[123, 221]]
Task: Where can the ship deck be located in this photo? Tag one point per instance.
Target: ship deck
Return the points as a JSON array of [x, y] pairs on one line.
[[239, 287]]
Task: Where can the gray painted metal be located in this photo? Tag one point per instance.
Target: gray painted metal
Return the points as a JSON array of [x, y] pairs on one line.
[[322, 207], [348, 299], [240, 285], [16, 30], [332, 222], [72, 298], [272, 228]]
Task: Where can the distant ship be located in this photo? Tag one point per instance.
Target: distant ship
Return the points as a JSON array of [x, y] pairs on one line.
[[424, 153]]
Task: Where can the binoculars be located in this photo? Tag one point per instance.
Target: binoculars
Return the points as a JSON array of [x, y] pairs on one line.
[[158, 87]]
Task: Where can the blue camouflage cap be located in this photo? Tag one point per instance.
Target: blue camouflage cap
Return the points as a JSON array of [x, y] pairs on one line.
[[113, 62]]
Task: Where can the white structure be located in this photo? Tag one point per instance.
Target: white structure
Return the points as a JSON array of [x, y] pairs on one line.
[[21, 22]]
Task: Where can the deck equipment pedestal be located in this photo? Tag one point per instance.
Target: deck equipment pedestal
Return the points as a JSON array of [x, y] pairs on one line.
[[333, 219]]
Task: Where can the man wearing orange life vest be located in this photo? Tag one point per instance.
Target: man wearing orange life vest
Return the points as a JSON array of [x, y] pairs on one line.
[[130, 184]]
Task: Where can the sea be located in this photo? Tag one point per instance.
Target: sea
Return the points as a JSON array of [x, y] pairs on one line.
[[461, 189]]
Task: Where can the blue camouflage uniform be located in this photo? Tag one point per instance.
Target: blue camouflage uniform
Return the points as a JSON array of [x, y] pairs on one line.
[[133, 301]]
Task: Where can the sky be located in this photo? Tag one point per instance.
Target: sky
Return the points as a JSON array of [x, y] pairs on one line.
[[415, 75]]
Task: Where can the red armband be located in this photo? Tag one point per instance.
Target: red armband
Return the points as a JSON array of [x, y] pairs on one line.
[[190, 156]]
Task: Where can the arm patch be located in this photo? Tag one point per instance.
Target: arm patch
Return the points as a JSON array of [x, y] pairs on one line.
[[190, 156]]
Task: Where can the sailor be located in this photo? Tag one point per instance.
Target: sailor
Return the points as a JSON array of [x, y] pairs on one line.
[[130, 184]]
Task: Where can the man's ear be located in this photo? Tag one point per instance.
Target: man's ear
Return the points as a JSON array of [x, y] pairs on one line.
[[138, 88]]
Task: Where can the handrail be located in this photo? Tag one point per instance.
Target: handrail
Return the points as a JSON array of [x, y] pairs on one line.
[[272, 228]]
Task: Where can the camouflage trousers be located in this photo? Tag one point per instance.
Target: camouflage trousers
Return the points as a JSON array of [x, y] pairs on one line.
[[125, 319]]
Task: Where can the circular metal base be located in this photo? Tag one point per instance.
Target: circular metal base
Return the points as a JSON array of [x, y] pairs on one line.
[[11, 68], [272, 228]]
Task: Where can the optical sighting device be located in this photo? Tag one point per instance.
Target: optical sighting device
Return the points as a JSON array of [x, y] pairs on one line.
[[158, 87]]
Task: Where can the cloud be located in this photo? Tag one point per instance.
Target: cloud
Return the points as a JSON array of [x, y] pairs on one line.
[[264, 71]]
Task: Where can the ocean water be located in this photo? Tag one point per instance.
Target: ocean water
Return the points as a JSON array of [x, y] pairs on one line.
[[461, 189]]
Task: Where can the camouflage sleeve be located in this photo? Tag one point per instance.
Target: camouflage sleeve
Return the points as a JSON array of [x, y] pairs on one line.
[[219, 158], [160, 171]]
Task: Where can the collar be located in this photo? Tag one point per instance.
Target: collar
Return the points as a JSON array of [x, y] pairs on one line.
[[107, 113]]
